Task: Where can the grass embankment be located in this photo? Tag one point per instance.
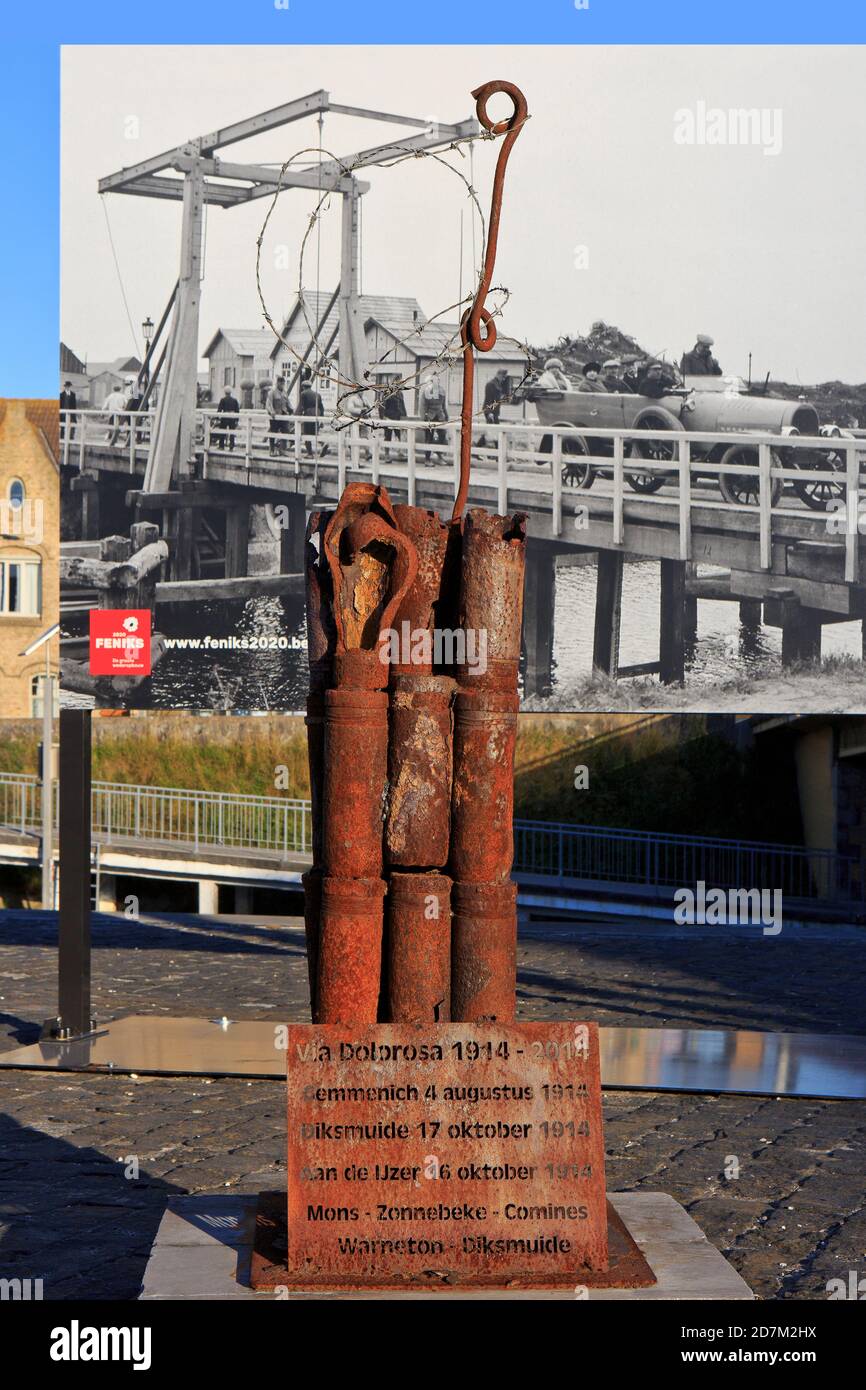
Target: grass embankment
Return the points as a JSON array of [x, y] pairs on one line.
[[644, 772]]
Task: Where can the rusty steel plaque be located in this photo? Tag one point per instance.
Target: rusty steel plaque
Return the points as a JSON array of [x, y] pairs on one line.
[[434, 1156]]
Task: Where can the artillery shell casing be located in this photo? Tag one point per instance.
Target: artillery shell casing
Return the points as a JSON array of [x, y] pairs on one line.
[[312, 884], [484, 952], [350, 955], [491, 595], [482, 797], [355, 782], [360, 669], [418, 609], [419, 948], [418, 823]]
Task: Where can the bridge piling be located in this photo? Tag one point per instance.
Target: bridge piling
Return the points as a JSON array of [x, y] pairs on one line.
[[801, 633], [238, 540], [293, 533], [539, 601], [672, 622], [608, 613]]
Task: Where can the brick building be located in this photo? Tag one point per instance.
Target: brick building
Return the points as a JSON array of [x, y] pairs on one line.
[[29, 549]]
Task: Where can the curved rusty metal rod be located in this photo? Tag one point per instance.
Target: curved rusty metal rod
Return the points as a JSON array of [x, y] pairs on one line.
[[477, 328]]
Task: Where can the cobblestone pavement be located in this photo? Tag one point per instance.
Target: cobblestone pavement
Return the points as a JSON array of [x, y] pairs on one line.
[[88, 1162]]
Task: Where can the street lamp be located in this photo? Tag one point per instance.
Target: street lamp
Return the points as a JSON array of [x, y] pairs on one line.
[[147, 334]]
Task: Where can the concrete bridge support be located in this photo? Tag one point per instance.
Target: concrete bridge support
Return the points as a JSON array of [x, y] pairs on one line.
[[208, 897], [107, 897], [539, 601]]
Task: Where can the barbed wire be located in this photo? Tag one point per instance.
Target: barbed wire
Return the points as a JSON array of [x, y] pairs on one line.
[[451, 352]]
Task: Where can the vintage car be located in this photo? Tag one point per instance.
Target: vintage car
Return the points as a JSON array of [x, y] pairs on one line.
[[717, 405]]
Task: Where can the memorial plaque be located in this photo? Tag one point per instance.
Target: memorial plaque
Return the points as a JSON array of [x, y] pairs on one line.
[[462, 1154]]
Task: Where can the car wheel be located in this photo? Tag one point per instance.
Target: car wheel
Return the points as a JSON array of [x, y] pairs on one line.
[[820, 493], [576, 471], [741, 489], [654, 418]]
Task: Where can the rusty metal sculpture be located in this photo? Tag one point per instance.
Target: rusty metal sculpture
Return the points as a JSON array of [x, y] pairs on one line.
[[412, 749]]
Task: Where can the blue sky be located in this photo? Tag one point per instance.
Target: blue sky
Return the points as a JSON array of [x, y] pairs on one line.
[[29, 94]]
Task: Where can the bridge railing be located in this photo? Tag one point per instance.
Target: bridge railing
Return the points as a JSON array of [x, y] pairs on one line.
[[20, 802], [681, 861], [124, 431], [508, 458], [200, 819], [761, 485], [128, 814]]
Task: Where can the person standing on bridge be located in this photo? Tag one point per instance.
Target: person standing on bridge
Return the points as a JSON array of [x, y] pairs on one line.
[[277, 406], [700, 361], [114, 405], [227, 420], [310, 404], [68, 402], [495, 392], [434, 411]]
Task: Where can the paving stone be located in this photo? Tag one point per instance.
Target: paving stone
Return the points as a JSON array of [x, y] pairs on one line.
[[65, 1202]]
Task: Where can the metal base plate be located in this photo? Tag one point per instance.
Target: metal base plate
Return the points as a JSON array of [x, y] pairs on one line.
[[707, 1060]]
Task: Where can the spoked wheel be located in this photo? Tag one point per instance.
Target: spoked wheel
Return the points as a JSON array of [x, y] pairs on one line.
[[819, 493], [741, 489], [656, 450], [576, 471]]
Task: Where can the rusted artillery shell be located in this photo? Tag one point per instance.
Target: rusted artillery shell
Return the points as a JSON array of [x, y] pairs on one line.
[[419, 948], [350, 954], [312, 884], [484, 952], [355, 782], [420, 603], [482, 798], [321, 629], [418, 822], [315, 724], [491, 595], [361, 670], [372, 565]]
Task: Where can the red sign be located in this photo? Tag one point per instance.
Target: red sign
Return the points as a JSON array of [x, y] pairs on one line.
[[460, 1154], [120, 641]]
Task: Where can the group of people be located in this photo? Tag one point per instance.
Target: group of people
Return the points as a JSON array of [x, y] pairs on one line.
[[391, 410], [632, 375], [278, 407], [119, 404]]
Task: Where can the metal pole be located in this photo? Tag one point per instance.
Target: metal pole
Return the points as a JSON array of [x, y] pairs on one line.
[[47, 786], [74, 1016]]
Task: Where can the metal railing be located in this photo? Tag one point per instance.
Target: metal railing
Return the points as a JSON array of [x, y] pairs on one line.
[[198, 820], [21, 802], [680, 861], [417, 450]]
